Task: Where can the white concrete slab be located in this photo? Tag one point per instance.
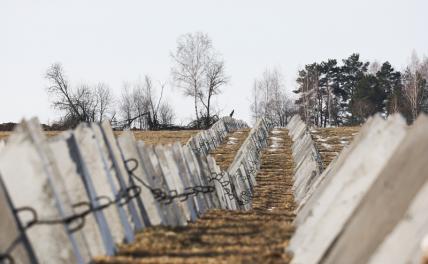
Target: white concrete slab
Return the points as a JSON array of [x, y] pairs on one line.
[[173, 215], [124, 179], [344, 191], [11, 228], [387, 200], [152, 214], [404, 243], [63, 155], [98, 172], [178, 180], [24, 176]]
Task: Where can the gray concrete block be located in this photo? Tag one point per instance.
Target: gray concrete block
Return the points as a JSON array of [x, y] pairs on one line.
[[387, 199], [332, 206]]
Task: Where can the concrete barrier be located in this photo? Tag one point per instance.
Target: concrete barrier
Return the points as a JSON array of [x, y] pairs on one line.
[[386, 200], [308, 164], [332, 204], [79, 194]]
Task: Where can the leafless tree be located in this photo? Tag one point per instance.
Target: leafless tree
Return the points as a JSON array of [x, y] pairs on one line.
[[271, 100], [198, 70], [415, 87], [126, 106], [63, 97], [83, 104], [215, 78], [141, 106], [105, 102], [166, 114]]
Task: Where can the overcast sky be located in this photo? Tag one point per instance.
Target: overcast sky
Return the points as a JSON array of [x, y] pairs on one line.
[[118, 41]]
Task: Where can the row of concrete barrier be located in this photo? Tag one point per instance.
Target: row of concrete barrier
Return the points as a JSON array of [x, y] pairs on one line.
[[370, 204], [207, 140], [308, 164], [77, 195], [246, 163]]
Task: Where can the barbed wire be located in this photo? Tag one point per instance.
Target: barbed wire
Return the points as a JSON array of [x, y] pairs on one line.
[[124, 196], [167, 197]]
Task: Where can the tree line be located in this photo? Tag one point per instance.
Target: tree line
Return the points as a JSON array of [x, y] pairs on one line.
[[198, 70], [333, 94]]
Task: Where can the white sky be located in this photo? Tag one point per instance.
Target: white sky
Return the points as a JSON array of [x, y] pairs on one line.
[[117, 41]]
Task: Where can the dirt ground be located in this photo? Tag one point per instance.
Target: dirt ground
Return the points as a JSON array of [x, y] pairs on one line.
[[331, 141], [258, 236], [149, 137]]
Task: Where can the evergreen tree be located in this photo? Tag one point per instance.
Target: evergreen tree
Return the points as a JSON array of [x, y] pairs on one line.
[[350, 74], [389, 81], [329, 86], [368, 98]]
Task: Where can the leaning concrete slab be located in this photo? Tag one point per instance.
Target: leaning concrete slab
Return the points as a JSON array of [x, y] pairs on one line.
[[124, 179], [63, 156], [198, 179], [387, 200], [62, 196], [174, 184], [178, 180], [323, 181], [28, 185], [189, 177], [110, 173], [151, 211], [404, 243], [172, 213], [342, 193], [97, 173], [11, 229]]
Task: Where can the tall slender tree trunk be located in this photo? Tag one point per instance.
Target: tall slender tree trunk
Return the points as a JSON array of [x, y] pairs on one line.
[[196, 103]]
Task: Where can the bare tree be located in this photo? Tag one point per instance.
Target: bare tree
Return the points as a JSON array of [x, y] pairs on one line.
[[215, 78], [166, 114], [82, 104], [105, 102], [198, 70], [142, 106], [271, 100], [415, 88], [126, 107], [63, 97]]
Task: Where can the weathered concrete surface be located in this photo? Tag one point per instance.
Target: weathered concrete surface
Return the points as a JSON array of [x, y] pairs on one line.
[[404, 243], [28, 185], [118, 165], [61, 156], [172, 214], [333, 203], [387, 200], [151, 212], [306, 157], [11, 229], [223, 236]]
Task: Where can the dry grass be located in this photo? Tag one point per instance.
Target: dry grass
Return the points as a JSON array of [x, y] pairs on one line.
[[331, 141], [4, 135], [149, 137], [258, 236], [225, 153]]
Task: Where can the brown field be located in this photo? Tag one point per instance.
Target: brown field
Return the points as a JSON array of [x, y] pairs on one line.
[[331, 141], [149, 137]]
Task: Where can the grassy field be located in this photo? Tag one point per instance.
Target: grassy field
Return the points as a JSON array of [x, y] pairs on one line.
[[331, 141], [150, 137]]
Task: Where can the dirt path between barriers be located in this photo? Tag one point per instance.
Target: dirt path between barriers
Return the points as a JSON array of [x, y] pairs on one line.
[[258, 236]]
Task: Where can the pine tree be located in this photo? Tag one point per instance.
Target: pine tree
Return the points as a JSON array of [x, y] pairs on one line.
[[350, 74], [389, 81]]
